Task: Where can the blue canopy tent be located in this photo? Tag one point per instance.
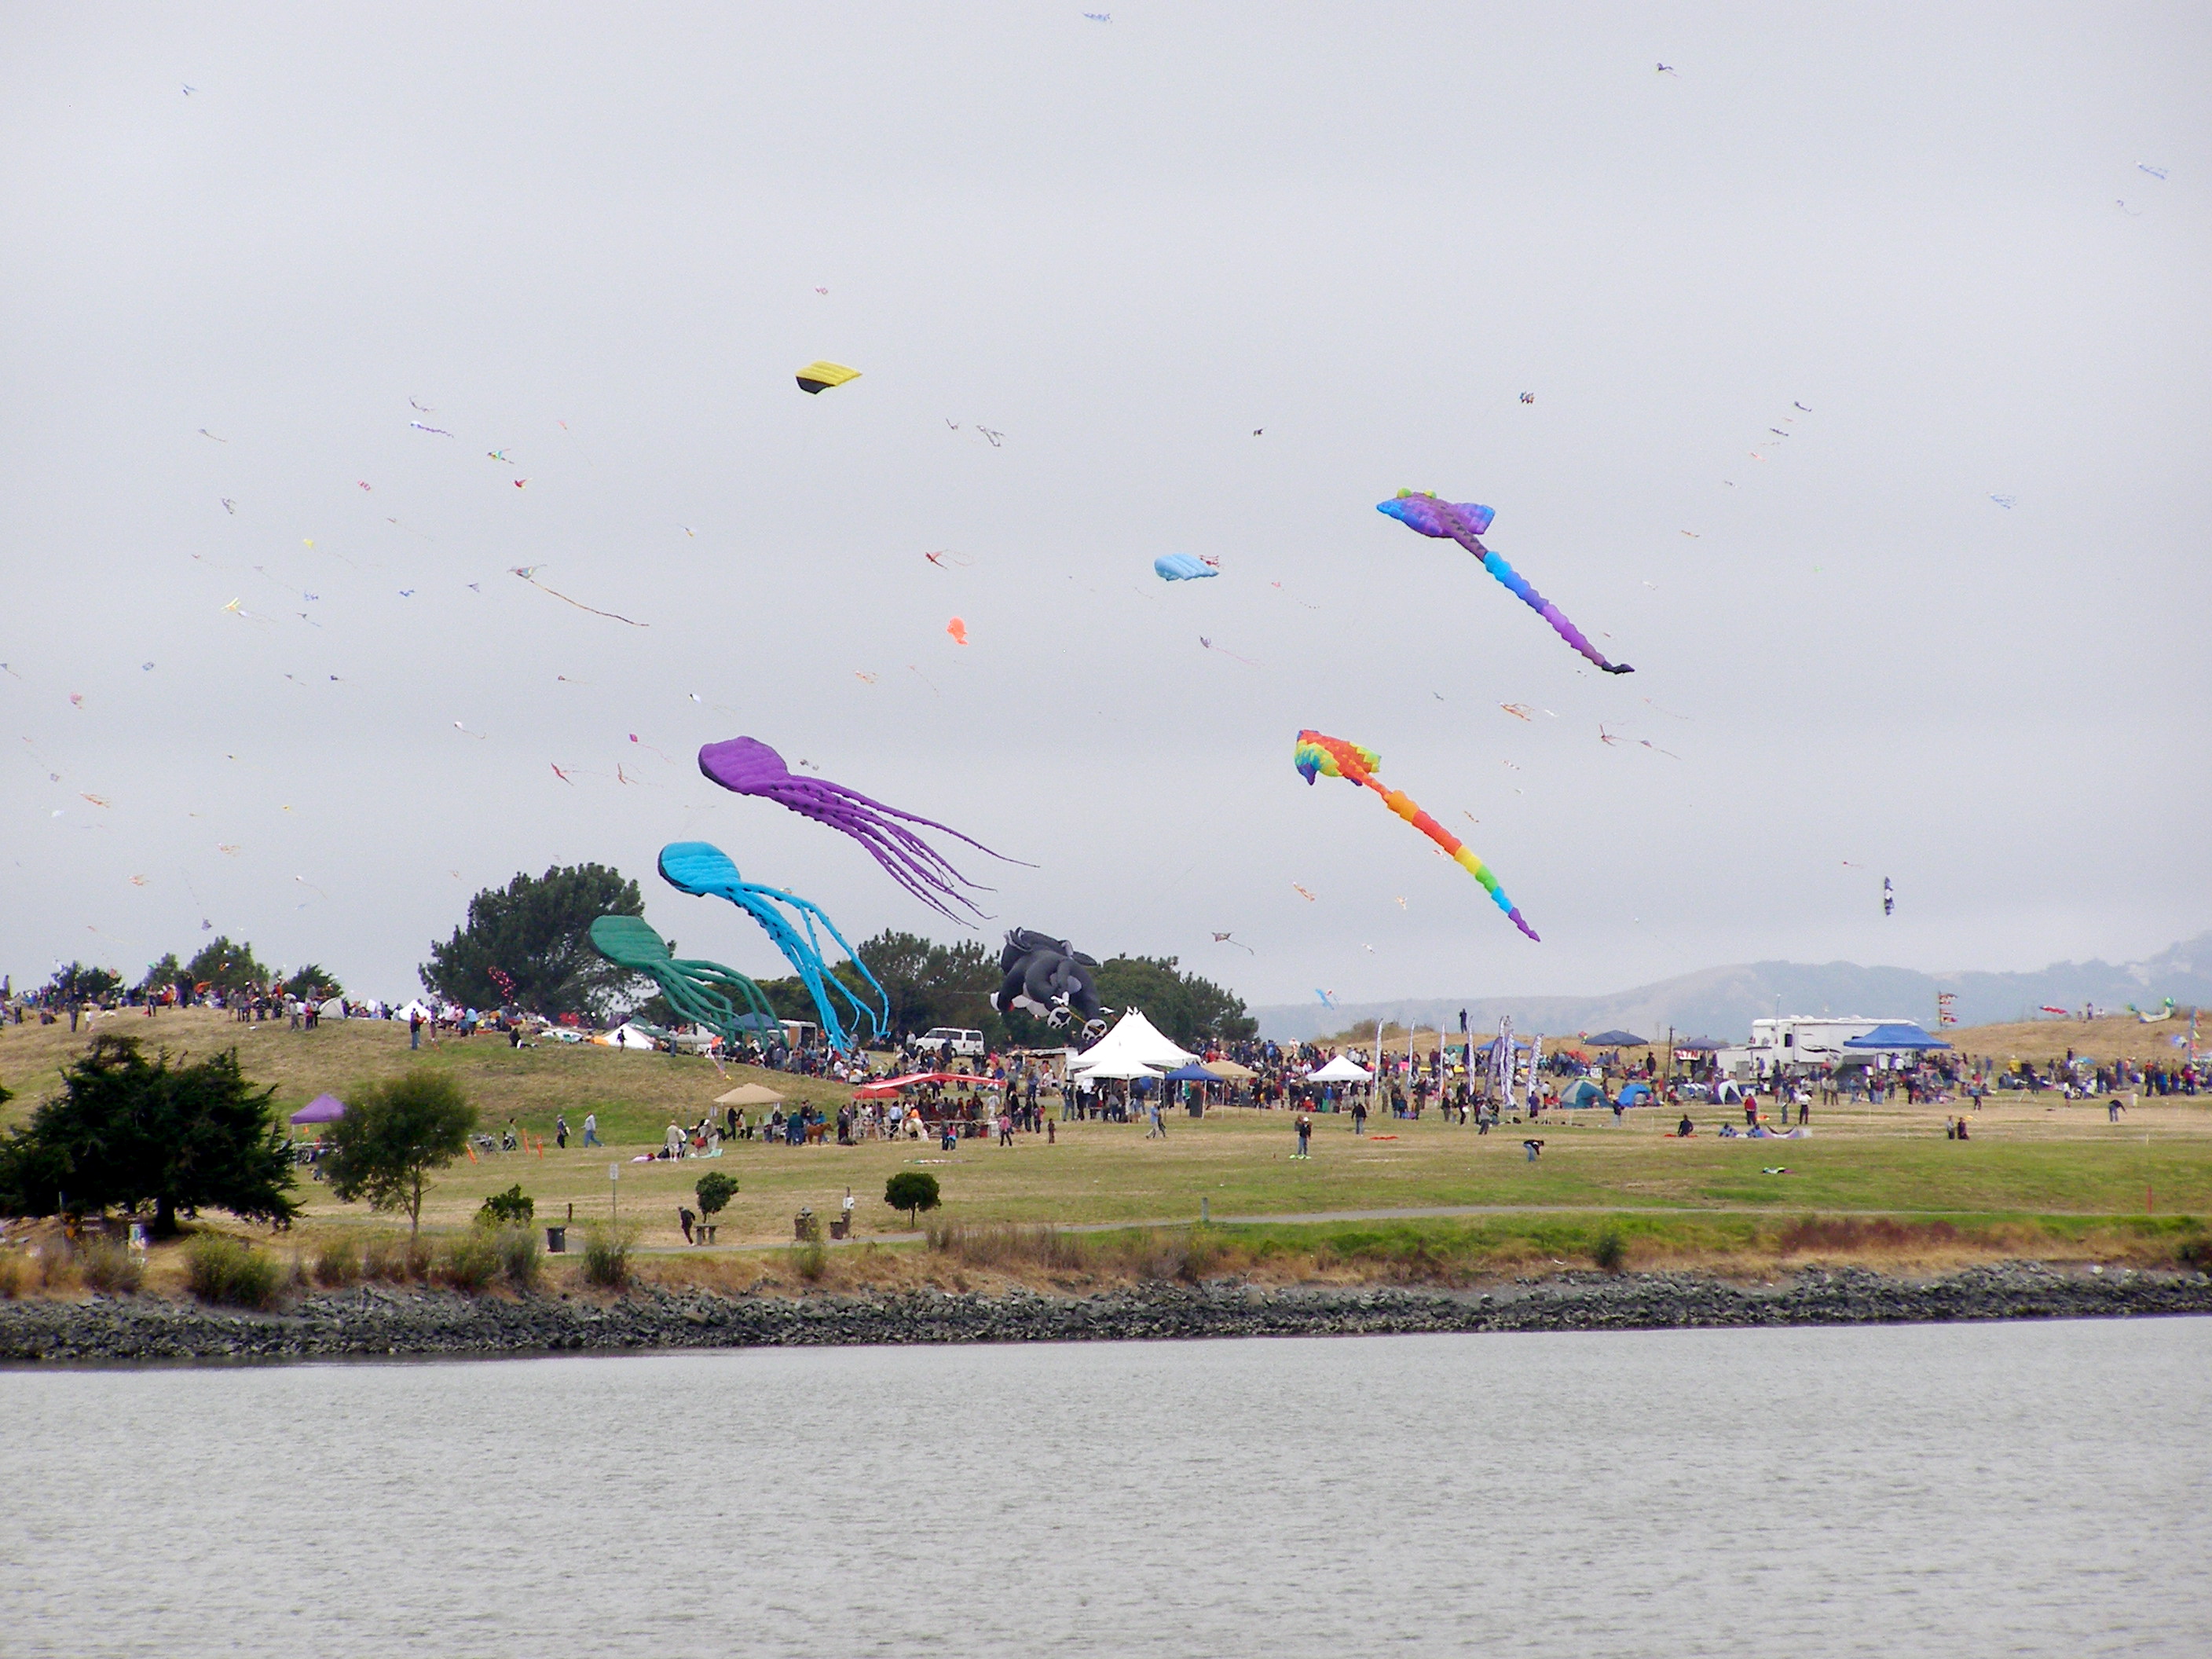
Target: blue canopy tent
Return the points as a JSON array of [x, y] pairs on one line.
[[1899, 1038], [1193, 1073]]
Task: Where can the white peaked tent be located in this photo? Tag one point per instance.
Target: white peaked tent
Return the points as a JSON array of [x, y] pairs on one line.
[[1134, 1041], [1339, 1070]]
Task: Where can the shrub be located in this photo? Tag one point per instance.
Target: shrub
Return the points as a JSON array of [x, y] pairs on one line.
[[58, 1267], [11, 1276], [1610, 1251], [809, 1261], [469, 1260], [111, 1266], [606, 1254], [231, 1271], [512, 1208], [337, 1262], [521, 1256], [912, 1191], [396, 1257], [715, 1191]]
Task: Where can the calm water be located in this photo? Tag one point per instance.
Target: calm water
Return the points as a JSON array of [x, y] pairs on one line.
[[1955, 1490]]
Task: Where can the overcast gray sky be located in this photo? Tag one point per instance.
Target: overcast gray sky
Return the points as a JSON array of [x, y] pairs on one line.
[[593, 239]]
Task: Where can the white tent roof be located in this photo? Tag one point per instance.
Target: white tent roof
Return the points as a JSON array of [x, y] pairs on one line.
[[629, 1035], [1120, 1068], [1340, 1070], [1134, 1039], [413, 1005]]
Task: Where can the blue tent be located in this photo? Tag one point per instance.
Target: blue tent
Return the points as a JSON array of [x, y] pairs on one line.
[[1193, 1073], [1889, 1039], [1583, 1094]]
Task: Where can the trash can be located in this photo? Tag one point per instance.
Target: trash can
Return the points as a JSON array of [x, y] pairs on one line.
[[556, 1241]]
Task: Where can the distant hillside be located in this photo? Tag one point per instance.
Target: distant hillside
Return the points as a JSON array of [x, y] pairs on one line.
[[1721, 1002]]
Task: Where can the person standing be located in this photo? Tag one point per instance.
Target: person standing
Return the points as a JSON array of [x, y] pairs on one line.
[[1360, 1117], [414, 1028], [592, 1129], [1305, 1134], [1159, 1129]]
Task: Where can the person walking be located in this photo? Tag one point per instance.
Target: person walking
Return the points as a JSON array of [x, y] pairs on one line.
[[592, 1129], [1305, 1136], [561, 1131]]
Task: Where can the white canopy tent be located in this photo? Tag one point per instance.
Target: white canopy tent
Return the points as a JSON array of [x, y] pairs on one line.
[[1117, 1070], [1340, 1070], [1134, 1040]]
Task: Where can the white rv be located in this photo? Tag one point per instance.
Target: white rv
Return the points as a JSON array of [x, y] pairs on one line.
[[1796, 1043]]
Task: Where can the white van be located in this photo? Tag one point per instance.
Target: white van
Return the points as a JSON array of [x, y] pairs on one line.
[[951, 1043]]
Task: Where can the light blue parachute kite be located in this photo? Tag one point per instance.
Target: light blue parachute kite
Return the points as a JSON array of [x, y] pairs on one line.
[[1182, 567], [704, 871]]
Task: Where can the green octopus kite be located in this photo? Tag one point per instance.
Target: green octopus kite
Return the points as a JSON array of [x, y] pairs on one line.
[[694, 990]]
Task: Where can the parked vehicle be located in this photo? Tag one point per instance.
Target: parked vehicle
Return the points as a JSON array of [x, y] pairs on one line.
[[951, 1043]]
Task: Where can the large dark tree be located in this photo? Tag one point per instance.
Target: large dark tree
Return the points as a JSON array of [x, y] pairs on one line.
[[161, 974], [393, 1136], [225, 967], [78, 983], [128, 1132], [316, 981], [534, 932], [930, 984]]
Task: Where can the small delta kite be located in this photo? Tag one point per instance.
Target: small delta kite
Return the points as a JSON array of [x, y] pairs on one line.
[[818, 376]]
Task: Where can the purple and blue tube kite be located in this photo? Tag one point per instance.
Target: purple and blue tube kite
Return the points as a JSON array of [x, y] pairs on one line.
[[1464, 523], [747, 766]]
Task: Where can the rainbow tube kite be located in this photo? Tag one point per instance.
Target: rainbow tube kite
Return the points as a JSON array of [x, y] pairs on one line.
[[1318, 753], [1464, 523]]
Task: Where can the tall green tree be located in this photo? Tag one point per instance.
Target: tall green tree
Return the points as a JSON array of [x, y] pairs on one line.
[[533, 930], [127, 1131], [930, 984], [392, 1138], [314, 981], [161, 974], [227, 967], [80, 983], [1188, 1009]]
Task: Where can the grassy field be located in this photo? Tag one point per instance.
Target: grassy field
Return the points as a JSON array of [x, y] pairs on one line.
[[2046, 1171]]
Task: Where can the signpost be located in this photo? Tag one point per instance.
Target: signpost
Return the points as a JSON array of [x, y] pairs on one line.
[[614, 1200]]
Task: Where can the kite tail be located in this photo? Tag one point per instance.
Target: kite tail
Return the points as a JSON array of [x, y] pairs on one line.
[[1550, 613], [1462, 855]]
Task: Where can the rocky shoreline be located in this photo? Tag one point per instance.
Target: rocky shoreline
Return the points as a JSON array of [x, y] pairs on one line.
[[381, 1322]]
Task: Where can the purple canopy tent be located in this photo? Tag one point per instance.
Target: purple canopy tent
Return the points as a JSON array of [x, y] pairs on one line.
[[322, 1109]]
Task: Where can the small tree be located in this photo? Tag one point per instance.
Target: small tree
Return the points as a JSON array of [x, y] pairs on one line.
[[313, 984], [79, 983], [227, 968], [715, 1191], [912, 1191], [512, 1208], [393, 1136], [127, 1130]]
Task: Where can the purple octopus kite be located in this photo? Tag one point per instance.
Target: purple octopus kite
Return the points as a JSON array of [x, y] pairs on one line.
[[749, 767]]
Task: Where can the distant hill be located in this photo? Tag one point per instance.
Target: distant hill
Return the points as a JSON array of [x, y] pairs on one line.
[[1721, 1002]]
